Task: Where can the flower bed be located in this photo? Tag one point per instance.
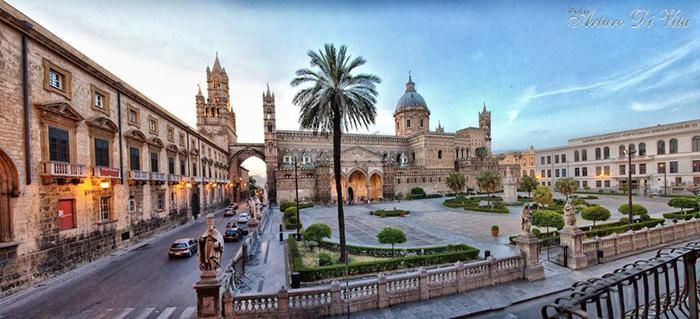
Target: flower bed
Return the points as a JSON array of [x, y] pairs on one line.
[[472, 204], [389, 213]]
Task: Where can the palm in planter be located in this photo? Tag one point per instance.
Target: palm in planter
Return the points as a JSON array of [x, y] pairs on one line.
[[488, 181], [335, 100]]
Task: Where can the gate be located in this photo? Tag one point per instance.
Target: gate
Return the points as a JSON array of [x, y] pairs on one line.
[[557, 254]]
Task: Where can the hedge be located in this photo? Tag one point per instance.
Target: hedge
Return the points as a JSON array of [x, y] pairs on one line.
[[285, 205], [389, 213], [684, 215], [387, 252], [473, 204], [487, 209], [324, 272], [599, 230]]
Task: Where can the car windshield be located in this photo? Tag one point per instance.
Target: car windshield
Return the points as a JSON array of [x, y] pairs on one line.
[[179, 245], [232, 231]]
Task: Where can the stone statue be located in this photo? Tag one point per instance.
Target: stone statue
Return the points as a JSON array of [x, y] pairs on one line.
[[210, 247], [569, 214], [526, 219]]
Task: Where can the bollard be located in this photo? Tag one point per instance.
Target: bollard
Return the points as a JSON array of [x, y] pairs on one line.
[[281, 237], [487, 254], [280, 227], [296, 280]]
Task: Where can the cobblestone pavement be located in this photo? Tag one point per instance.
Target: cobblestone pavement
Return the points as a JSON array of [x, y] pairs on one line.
[[430, 223]]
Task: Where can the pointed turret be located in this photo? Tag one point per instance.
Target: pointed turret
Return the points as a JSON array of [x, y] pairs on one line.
[[217, 64]]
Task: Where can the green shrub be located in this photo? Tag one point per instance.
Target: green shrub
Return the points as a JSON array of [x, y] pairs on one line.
[[325, 259], [500, 209], [316, 232], [595, 213], [417, 191], [386, 252], [683, 203], [285, 205], [686, 215], [390, 213], [637, 210], [391, 235], [547, 219]]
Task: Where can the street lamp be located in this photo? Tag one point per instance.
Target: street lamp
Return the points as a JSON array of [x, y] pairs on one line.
[[296, 189], [630, 153], [663, 168]]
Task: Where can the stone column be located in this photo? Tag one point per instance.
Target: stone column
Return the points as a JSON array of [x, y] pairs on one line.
[[208, 302], [459, 268], [528, 244], [283, 304], [336, 299], [510, 189], [572, 238], [382, 297], [228, 305], [423, 284]]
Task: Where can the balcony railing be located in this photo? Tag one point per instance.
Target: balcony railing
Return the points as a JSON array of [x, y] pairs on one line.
[[138, 175], [173, 178], [106, 172], [61, 169], [198, 179], [158, 177]]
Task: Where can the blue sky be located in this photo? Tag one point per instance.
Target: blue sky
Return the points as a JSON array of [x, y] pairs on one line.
[[544, 80]]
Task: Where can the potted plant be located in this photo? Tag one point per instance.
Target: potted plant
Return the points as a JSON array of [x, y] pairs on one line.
[[494, 230]]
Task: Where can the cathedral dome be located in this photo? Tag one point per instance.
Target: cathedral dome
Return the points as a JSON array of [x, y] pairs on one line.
[[411, 98]]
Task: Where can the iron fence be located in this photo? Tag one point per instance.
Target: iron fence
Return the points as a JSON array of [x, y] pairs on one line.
[[662, 287]]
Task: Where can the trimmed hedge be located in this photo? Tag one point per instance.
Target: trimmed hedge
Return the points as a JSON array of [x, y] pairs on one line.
[[387, 252], [473, 204], [285, 205], [599, 230], [389, 213], [499, 209], [684, 215], [308, 274]]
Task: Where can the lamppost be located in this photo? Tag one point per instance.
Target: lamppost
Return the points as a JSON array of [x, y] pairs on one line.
[[663, 168], [630, 153], [296, 189]]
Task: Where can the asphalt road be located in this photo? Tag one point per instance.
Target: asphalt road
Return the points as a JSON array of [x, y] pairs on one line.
[[122, 283]]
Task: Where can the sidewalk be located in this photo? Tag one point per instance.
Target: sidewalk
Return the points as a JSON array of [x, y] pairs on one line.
[[267, 270], [480, 301]]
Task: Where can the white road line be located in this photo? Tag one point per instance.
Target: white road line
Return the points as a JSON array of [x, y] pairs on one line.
[[188, 313], [145, 313], [166, 313], [124, 313], [104, 314]]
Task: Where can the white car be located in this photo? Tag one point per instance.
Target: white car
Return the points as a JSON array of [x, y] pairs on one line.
[[242, 218]]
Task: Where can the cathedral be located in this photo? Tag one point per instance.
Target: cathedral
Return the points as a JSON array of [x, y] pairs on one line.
[[374, 167]]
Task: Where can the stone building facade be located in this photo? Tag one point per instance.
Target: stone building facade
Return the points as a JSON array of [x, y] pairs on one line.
[[88, 163]]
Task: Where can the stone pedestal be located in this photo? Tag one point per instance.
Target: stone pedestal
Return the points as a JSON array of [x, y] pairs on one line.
[[510, 189], [528, 244], [208, 302], [572, 238]]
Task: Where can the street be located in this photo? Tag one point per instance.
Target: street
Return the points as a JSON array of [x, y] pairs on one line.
[[138, 283]]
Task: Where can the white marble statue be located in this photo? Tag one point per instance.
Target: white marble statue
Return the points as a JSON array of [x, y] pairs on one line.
[[526, 219], [569, 215], [210, 247]]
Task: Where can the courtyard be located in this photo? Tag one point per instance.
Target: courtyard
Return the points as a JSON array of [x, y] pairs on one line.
[[430, 223]]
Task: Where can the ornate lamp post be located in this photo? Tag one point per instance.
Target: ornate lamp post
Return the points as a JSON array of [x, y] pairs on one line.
[[296, 189], [630, 153]]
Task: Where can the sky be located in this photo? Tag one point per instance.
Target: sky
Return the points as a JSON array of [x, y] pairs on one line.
[[548, 71]]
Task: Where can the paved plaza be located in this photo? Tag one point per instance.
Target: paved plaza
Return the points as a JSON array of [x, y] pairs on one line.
[[430, 223]]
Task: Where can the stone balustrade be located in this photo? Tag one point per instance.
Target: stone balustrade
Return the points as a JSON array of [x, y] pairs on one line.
[[647, 238], [379, 292]]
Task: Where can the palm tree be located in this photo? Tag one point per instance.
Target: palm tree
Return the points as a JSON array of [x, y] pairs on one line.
[[456, 181], [566, 186], [528, 183], [488, 181], [481, 152], [335, 100]]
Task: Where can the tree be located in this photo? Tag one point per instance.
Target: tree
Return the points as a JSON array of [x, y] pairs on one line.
[[391, 235], [595, 213], [316, 232], [481, 152], [566, 186], [488, 181], [335, 100], [693, 188], [528, 183], [542, 196], [683, 202], [548, 218], [637, 210], [456, 181]]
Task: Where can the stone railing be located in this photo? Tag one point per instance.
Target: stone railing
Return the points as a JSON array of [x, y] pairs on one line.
[[139, 175], [174, 178], [158, 177], [647, 238], [62, 169], [380, 292]]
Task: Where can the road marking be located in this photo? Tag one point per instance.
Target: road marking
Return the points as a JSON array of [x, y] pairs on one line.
[[105, 313], [145, 313], [166, 313], [124, 313], [188, 313]]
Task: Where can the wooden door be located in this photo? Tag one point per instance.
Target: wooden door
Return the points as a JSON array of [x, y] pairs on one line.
[[66, 214]]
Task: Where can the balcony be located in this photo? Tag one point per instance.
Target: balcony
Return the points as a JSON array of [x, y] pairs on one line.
[[198, 179], [158, 177], [61, 169], [221, 181], [138, 175], [106, 172], [174, 178]]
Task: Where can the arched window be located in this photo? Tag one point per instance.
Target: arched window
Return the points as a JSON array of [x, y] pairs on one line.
[[532, 173], [642, 149], [696, 143], [584, 155], [408, 123], [462, 153], [673, 146], [467, 153], [576, 156], [524, 173], [456, 153], [631, 148], [306, 158], [597, 153], [413, 157], [606, 152], [660, 147], [269, 127], [621, 151], [440, 154]]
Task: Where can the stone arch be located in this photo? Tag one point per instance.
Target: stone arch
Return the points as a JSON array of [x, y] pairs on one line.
[[9, 187], [376, 186], [358, 185], [343, 185]]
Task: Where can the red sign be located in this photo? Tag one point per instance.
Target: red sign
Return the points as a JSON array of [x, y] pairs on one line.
[[108, 172]]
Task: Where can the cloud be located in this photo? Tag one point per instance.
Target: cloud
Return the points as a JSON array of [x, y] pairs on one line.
[[676, 101]]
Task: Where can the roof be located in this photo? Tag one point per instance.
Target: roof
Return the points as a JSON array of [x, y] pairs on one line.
[[411, 98]]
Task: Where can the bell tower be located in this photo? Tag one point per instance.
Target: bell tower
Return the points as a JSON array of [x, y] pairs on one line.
[[270, 130], [215, 116], [485, 124]]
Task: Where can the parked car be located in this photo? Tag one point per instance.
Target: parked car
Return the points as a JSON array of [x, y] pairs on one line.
[[243, 218], [233, 234], [184, 247], [229, 212], [233, 206]]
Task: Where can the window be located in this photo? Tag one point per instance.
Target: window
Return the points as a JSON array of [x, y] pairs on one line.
[[160, 201], [696, 144], [679, 180], [58, 145], [421, 122], [631, 148], [606, 153], [182, 139], [524, 173], [269, 127], [134, 159], [306, 158], [542, 160], [101, 152], [584, 171], [577, 172], [542, 173], [408, 123], [104, 208], [597, 153], [642, 168], [153, 125], [549, 173], [642, 149], [556, 159], [584, 155], [171, 134], [598, 184], [633, 169], [134, 116], [171, 165], [585, 184], [576, 156], [132, 205], [549, 159], [556, 172], [607, 184], [621, 151], [598, 171], [622, 170], [563, 158], [661, 167], [563, 172], [440, 154], [696, 180], [100, 99], [673, 146], [194, 169], [57, 79], [532, 173], [182, 167], [696, 166], [154, 162], [673, 167], [660, 147], [606, 170]]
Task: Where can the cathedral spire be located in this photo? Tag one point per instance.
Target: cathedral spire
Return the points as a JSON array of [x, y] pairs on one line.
[[217, 64], [199, 90], [484, 107]]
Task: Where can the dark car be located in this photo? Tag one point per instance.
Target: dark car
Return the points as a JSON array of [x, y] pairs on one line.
[[233, 234], [229, 212], [185, 247]]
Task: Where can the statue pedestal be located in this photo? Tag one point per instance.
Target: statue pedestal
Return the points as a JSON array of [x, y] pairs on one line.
[[510, 194], [528, 244], [208, 302], [572, 238]]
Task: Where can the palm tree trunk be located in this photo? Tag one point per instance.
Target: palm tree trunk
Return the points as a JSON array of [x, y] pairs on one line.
[[338, 185]]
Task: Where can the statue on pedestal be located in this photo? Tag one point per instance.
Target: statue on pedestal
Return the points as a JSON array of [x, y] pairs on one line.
[[569, 215], [526, 219], [210, 247]]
